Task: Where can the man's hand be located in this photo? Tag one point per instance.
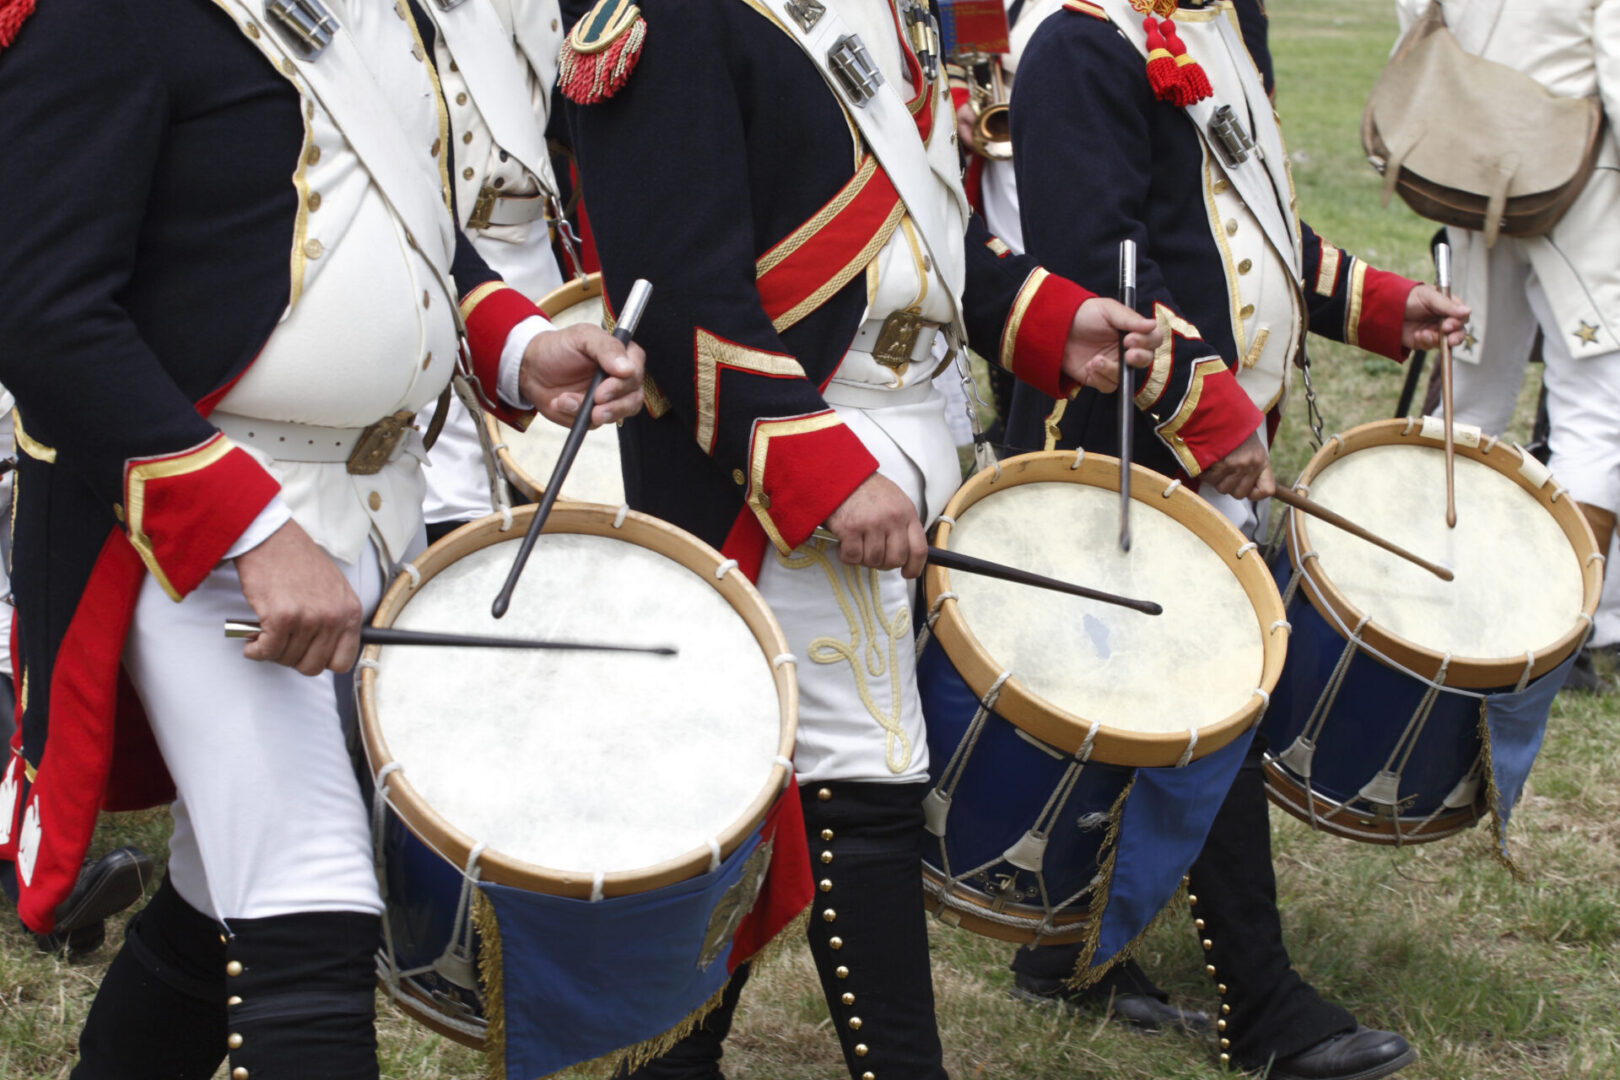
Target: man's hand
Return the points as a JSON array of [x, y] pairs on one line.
[[309, 616], [877, 526], [1245, 473], [1091, 357], [1430, 313], [557, 369]]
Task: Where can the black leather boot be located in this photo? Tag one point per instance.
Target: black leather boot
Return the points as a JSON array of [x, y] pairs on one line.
[[1124, 993], [867, 930], [301, 1001], [160, 1012]]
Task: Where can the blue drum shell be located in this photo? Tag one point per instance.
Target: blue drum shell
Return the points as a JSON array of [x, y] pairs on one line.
[[422, 893], [1372, 709], [1005, 786]]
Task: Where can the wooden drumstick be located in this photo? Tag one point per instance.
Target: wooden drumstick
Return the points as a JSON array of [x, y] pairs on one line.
[[634, 305], [1127, 296], [387, 635], [1315, 509], [1442, 266], [968, 564]]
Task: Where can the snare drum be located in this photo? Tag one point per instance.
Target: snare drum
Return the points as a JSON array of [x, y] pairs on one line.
[[1050, 717], [1375, 731], [568, 841], [527, 457]]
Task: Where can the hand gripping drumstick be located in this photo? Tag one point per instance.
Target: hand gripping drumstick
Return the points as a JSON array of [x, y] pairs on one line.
[[967, 564], [1442, 267], [634, 305], [387, 635], [1316, 509], [1127, 296]]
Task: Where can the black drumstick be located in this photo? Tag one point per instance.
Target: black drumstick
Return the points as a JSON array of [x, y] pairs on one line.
[[387, 635], [1127, 296], [634, 305]]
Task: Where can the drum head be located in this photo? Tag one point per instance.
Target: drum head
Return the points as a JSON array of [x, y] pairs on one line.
[[572, 764], [1520, 558], [529, 456], [1205, 664]]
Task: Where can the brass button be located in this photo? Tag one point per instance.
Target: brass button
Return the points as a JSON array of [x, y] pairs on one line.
[[738, 478], [1226, 1059], [854, 1023], [453, 66], [499, 182], [252, 31], [234, 1042], [1245, 266], [824, 794], [860, 1050], [309, 110], [1246, 311], [1231, 227], [234, 968], [427, 300], [314, 201], [835, 943], [1220, 1025], [312, 155], [433, 151], [826, 857], [313, 248], [554, 24], [289, 68], [827, 834], [239, 1073], [399, 8], [867, 1075], [233, 1001], [427, 361], [1192, 901], [1225, 1009], [1208, 944], [1219, 186], [1225, 1043], [848, 998], [461, 98], [374, 501], [466, 137], [118, 513], [467, 173], [842, 972], [1220, 988], [1209, 969], [829, 915], [928, 264], [223, 940], [416, 51], [1198, 923], [826, 885]]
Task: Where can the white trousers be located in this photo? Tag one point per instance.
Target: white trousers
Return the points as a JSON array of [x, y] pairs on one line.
[[268, 818], [1583, 396]]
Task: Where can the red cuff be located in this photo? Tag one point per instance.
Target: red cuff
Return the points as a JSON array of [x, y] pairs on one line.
[[1214, 418], [491, 311], [1378, 310], [184, 511], [959, 97], [801, 469], [1037, 330]]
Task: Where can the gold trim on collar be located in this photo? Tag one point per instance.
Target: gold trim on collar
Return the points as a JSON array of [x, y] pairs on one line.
[[28, 444], [136, 477], [710, 354]]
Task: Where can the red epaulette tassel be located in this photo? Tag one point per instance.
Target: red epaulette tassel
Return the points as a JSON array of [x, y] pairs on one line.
[[1174, 76], [12, 14]]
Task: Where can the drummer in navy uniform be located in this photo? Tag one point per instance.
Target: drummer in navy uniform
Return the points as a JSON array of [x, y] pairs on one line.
[[1164, 114], [216, 358], [807, 233]]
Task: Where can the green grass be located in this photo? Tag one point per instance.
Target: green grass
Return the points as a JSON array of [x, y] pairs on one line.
[[1490, 979]]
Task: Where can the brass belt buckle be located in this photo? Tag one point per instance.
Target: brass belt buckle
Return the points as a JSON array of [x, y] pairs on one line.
[[376, 445], [483, 208], [897, 341]]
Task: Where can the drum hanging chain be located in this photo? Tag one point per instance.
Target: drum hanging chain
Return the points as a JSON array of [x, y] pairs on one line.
[[1313, 411]]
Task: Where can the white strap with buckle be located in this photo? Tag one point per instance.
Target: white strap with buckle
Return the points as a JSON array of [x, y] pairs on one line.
[[283, 440], [872, 396], [866, 338], [506, 209]]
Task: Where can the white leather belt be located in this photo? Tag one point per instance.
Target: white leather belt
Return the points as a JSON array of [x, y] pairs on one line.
[[897, 340], [283, 440], [872, 396], [493, 208]]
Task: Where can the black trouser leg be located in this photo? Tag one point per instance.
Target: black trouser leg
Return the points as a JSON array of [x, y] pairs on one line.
[[697, 1056], [868, 930], [1057, 963], [301, 996], [1268, 1010], [160, 1012]]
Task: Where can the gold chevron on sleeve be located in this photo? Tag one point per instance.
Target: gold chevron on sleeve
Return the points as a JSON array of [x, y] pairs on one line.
[[709, 355]]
